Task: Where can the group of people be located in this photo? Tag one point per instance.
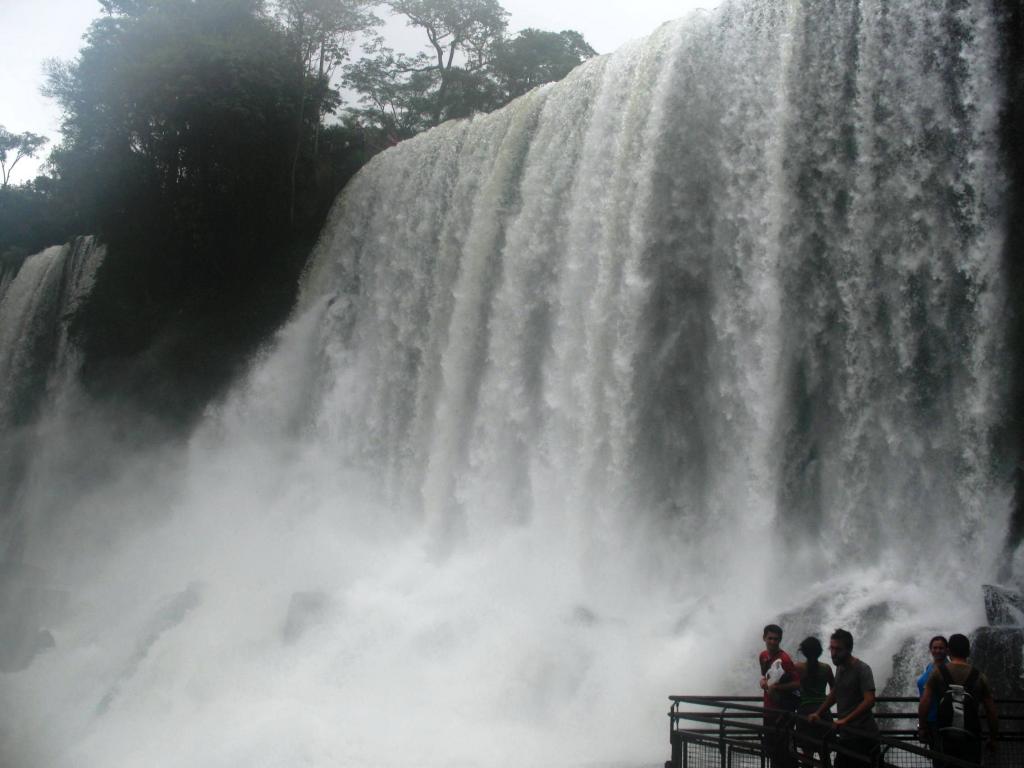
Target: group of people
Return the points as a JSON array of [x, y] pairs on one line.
[[951, 689]]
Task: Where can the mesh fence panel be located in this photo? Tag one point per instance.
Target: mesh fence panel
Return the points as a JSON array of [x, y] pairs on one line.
[[743, 757], [1009, 753], [740, 729], [702, 755]]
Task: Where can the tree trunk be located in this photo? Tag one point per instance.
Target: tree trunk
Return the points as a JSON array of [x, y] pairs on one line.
[[299, 119], [443, 88], [319, 97]]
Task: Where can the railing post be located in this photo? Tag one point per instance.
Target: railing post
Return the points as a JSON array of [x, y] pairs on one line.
[[826, 754], [737, 730], [721, 738], [676, 740]]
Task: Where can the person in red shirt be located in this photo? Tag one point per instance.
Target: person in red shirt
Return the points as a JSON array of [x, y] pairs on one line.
[[780, 682]]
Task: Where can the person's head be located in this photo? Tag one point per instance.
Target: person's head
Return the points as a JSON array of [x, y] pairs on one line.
[[840, 646], [772, 636], [810, 647], [938, 648], [959, 646]]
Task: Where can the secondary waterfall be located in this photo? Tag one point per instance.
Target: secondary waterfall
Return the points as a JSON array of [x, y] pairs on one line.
[[577, 396], [36, 300], [38, 297]]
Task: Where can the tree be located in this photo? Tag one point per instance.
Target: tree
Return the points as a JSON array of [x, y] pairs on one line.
[[31, 218], [180, 112], [178, 119], [468, 66], [396, 91], [20, 145], [320, 34], [413, 92], [534, 57]]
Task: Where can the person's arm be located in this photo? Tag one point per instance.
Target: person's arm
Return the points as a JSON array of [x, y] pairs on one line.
[[784, 687], [923, 708], [865, 704], [825, 706]]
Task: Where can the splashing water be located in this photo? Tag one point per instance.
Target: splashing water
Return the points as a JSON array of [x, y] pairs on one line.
[[577, 396]]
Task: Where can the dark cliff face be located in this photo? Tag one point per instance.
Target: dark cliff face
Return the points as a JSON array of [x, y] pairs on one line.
[[997, 648], [1013, 142]]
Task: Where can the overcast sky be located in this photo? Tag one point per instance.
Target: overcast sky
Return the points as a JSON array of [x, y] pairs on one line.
[[42, 29]]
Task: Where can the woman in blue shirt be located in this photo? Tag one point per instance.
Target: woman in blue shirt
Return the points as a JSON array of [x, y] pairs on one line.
[[938, 647]]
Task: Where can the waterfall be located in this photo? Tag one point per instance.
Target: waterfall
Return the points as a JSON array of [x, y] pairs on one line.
[[743, 274], [36, 301], [38, 298], [577, 396]]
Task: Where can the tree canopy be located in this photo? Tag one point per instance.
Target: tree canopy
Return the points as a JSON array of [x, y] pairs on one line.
[[534, 57], [200, 143], [154, 103], [14, 147], [188, 127], [468, 65]]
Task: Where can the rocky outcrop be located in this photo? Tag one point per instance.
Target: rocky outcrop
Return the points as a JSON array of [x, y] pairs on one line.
[[997, 649], [27, 604]]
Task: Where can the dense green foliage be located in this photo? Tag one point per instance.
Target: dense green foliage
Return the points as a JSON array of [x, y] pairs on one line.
[[188, 147], [534, 57], [33, 216], [469, 65], [198, 144]]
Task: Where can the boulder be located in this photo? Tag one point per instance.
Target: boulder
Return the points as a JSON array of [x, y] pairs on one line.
[[999, 653], [27, 603], [907, 665], [1004, 607]]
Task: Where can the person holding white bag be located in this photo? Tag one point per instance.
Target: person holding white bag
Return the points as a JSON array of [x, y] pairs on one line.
[[780, 682]]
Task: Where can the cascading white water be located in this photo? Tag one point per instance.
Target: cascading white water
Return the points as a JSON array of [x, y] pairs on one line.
[[577, 396], [36, 299]]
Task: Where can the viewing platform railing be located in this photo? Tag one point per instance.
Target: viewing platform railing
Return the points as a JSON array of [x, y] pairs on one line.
[[729, 732]]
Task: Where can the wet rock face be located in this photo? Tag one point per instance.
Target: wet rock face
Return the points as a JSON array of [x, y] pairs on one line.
[[999, 652], [27, 603], [810, 620], [998, 649], [907, 665], [1004, 607], [803, 622]]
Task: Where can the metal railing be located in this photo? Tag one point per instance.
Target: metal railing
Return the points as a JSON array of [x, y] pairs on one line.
[[733, 732]]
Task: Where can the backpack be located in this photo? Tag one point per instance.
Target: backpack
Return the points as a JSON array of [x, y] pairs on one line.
[[958, 706]]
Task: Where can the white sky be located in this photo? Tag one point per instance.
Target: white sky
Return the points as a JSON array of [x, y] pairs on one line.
[[42, 29]]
